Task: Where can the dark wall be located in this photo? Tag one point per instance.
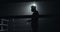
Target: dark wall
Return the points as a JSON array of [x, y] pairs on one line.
[[50, 8], [21, 8]]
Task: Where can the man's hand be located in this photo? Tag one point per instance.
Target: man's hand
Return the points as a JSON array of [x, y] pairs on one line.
[[28, 20]]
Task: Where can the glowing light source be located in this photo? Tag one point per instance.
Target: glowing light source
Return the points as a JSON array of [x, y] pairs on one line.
[[33, 4], [29, 7]]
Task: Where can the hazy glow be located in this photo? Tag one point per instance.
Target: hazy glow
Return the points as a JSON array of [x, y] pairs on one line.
[[34, 4], [29, 7], [25, 8]]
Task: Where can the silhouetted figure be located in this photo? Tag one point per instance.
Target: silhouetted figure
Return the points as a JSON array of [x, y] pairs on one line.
[[34, 19]]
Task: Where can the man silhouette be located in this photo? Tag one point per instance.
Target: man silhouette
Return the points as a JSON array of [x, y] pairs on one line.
[[34, 19]]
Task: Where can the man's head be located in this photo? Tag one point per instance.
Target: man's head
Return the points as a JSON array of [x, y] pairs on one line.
[[33, 8]]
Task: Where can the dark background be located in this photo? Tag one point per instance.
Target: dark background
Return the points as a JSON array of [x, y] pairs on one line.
[[11, 8], [20, 8]]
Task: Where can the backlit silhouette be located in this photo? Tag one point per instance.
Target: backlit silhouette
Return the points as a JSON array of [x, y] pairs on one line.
[[34, 19]]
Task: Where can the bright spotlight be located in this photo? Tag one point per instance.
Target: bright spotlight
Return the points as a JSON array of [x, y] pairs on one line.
[[33, 4]]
